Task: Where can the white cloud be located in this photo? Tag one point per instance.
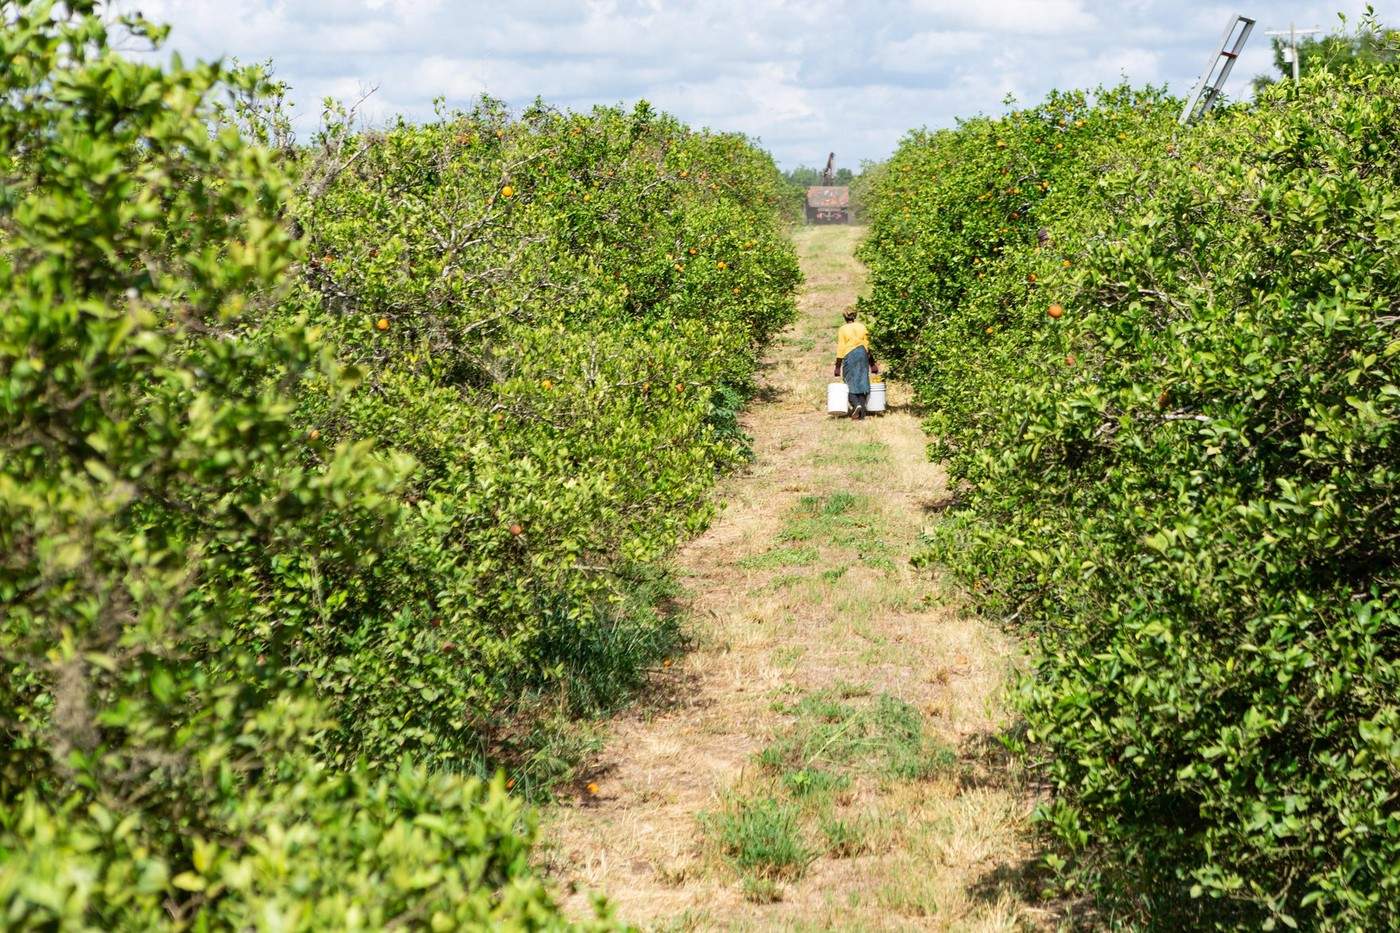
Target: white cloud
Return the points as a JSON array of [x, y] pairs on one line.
[[807, 76], [1012, 17], [932, 51]]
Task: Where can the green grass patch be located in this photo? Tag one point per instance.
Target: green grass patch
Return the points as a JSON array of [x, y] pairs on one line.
[[781, 557], [814, 782], [783, 581], [867, 453], [761, 837], [884, 738], [841, 518], [788, 655], [845, 838]]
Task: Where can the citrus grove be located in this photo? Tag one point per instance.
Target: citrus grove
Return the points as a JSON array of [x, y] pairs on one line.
[[1163, 368], [337, 476]]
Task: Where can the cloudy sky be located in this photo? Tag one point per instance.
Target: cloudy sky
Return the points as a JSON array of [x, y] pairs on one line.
[[804, 76]]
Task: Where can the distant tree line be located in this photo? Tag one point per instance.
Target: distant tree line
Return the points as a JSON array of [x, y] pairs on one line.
[[806, 176]]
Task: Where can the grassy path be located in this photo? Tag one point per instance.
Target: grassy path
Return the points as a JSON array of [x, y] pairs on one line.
[[822, 760]]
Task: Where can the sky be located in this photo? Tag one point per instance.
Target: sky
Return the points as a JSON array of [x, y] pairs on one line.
[[804, 78]]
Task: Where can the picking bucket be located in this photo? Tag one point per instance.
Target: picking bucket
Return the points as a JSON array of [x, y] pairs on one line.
[[877, 397], [836, 398]]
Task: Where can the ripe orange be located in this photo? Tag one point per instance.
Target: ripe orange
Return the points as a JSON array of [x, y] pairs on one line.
[[1056, 311], [990, 329], [382, 323], [1031, 278], [665, 662], [507, 191], [721, 265], [680, 387], [1066, 263], [546, 384], [314, 433], [593, 788], [517, 529]]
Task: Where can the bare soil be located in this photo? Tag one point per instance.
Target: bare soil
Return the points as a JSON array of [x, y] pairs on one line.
[[782, 606]]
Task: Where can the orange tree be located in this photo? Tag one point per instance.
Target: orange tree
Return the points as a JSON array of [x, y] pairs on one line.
[[554, 319], [1182, 483], [327, 474]]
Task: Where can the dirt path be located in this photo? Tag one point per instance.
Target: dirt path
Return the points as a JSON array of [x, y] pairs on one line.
[[822, 759]]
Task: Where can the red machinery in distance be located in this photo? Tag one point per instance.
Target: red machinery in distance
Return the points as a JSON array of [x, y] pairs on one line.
[[829, 203]]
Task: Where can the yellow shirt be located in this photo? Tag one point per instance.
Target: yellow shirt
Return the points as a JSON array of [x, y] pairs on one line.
[[849, 337]]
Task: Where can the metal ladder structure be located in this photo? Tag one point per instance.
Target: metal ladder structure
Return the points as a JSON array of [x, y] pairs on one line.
[[1217, 70]]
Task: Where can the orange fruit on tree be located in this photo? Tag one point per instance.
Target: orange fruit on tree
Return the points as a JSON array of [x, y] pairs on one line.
[[507, 192], [382, 324], [1066, 263], [517, 529], [314, 433], [593, 788], [721, 265], [1056, 311], [1031, 278]]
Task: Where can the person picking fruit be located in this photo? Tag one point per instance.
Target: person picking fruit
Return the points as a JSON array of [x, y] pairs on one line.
[[854, 364]]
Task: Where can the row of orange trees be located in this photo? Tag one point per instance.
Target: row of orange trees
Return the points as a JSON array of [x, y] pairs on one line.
[[334, 475], [1163, 366]]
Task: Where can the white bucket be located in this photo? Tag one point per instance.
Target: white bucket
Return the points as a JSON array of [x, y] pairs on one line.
[[836, 398], [877, 397]]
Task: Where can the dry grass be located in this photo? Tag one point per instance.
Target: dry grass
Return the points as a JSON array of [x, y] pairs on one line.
[[793, 592]]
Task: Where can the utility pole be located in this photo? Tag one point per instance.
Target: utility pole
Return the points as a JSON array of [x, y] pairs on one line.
[[1293, 33]]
